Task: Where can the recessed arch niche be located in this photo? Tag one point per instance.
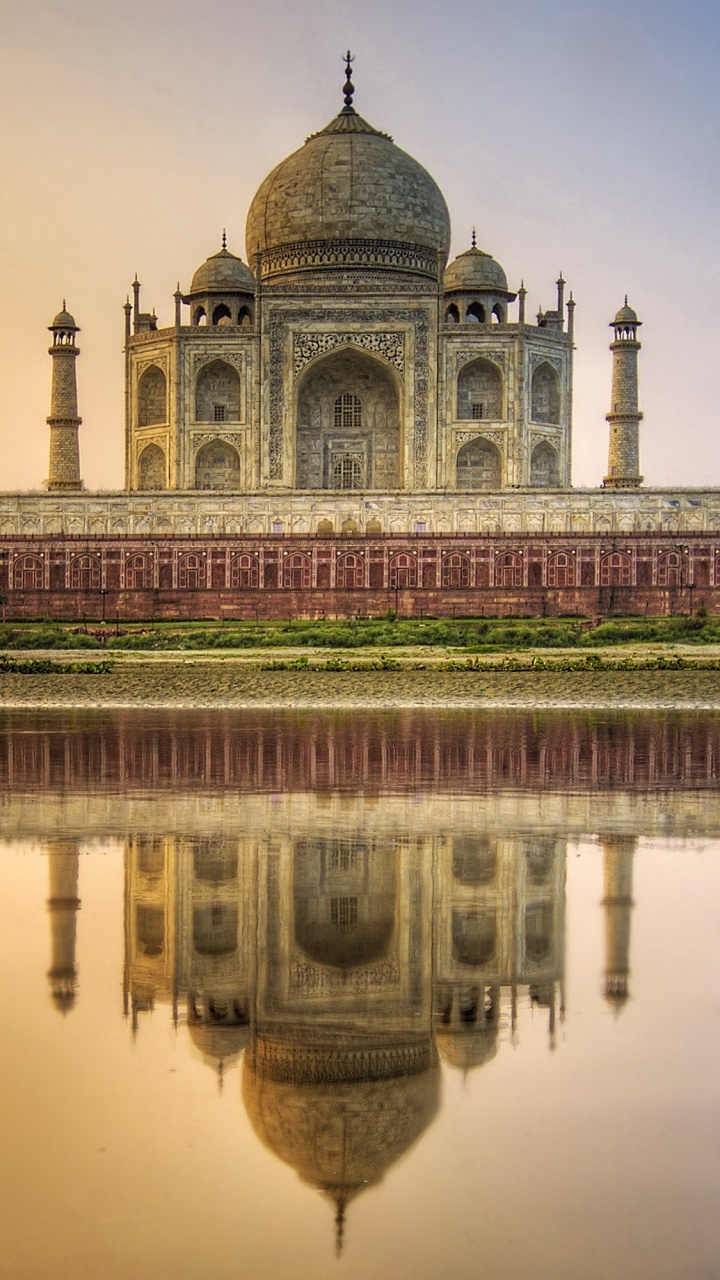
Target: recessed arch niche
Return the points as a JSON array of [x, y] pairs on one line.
[[478, 466], [544, 472], [217, 393], [152, 397], [480, 391], [217, 466], [348, 424], [545, 394], [152, 473]]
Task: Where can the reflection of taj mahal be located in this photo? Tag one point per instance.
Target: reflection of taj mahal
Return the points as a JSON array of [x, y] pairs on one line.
[[344, 964], [346, 414]]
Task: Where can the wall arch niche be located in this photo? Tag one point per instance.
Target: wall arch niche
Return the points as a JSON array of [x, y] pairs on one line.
[[152, 397], [348, 424], [478, 466], [217, 466], [545, 394], [217, 393], [151, 468], [544, 471], [480, 391]]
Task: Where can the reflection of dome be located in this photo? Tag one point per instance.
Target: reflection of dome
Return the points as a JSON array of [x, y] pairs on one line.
[[339, 1134], [469, 1046], [475, 272], [223, 273], [219, 1042], [348, 183]]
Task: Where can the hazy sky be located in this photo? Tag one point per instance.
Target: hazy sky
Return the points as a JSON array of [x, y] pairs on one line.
[[576, 136]]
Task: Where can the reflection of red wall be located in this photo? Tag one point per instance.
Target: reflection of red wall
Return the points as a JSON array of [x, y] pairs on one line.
[[473, 752], [502, 575]]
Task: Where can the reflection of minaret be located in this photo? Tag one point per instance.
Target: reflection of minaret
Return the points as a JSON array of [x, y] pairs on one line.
[[618, 869], [63, 905]]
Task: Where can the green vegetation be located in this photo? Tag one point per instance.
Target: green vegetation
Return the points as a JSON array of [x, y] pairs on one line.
[[46, 667], [474, 635]]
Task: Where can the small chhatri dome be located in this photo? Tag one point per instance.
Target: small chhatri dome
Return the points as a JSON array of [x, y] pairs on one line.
[[626, 315], [475, 271], [348, 198], [64, 320], [223, 273]]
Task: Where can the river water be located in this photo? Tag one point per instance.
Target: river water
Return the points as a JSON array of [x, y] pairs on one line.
[[360, 995]]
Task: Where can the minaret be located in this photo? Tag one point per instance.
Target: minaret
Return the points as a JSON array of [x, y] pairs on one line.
[[63, 905], [624, 416], [618, 853], [64, 421]]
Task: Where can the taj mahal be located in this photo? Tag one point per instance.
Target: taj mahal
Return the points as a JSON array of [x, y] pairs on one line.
[[344, 421]]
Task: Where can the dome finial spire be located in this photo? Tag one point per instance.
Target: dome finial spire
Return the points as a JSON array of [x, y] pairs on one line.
[[349, 87], [473, 241], [224, 239]]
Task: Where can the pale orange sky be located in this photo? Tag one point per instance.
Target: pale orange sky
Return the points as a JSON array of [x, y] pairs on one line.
[[575, 136]]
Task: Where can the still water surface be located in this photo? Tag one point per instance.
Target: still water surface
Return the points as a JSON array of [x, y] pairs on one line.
[[403, 995]]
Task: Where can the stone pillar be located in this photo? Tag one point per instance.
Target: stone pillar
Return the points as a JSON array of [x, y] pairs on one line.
[[63, 905], [64, 473], [618, 854], [624, 416]]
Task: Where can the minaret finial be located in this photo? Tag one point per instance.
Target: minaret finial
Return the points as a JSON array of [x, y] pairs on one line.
[[224, 239], [349, 87], [474, 239]]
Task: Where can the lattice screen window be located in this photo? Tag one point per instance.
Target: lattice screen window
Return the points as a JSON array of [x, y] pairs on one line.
[[347, 471], [348, 413], [477, 409], [219, 412]]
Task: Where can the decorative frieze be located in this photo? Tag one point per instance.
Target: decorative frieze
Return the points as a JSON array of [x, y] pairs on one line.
[[308, 345]]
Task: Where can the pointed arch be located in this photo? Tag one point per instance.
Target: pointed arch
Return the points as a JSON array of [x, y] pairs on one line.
[[475, 313], [544, 469], [480, 391], [152, 470], [217, 466], [478, 465], [152, 397], [217, 393], [545, 394]]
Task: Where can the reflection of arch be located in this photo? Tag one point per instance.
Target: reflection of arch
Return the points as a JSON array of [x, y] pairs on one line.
[[402, 571], [244, 572], [215, 929], [150, 929], [456, 570], [344, 901], [475, 313], [538, 930], [28, 573], [138, 572], [669, 569], [478, 466], [151, 468], [217, 393], [217, 466], [85, 573], [545, 394], [474, 860], [150, 856], [348, 423], [508, 569], [561, 570], [152, 397], [474, 936], [615, 569], [540, 859], [350, 571], [215, 861], [191, 571], [480, 391], [297, 570], [544, 466]]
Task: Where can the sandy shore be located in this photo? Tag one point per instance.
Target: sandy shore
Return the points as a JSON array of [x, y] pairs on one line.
[[203, 682]]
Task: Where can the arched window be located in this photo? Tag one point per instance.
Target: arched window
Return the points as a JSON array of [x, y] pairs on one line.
[[200, 316], [475, 314], [217, 466], [138, 572], [561, 570], [152, 472], [28, 573], [350, 572], [478, 466], [348, 470], [669, 569], [222, 315], [152, 397], [244, 572], [296, 571], [452, 315], [403, 571], [244, 317], [545, 395], [348, 415], [217, 393], [615, 570], [508, 570], [456, 570], [544, 466], [192, 572], [480, 391], [85, 573], [498, 313]]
